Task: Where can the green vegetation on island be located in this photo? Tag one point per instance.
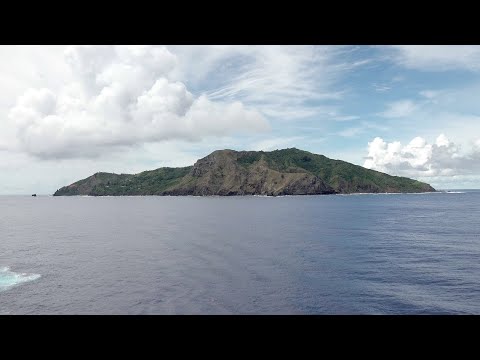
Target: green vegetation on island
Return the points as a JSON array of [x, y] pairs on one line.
[[228, 172]]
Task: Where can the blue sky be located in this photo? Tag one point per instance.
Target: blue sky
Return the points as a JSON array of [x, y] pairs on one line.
[[69, 111]]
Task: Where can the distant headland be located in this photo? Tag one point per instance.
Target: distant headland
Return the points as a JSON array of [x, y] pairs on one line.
[[228, 172]]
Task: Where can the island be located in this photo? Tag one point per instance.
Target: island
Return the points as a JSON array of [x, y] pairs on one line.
[[228, 172]]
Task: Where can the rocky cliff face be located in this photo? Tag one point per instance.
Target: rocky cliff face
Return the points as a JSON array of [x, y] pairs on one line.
[[221, 173], [228, 172]]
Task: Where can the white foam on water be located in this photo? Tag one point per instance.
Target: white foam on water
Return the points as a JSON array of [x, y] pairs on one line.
[[9, 278], [455, 192], [390, 193]]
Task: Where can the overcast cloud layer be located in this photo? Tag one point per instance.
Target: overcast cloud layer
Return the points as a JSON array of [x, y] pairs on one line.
[[69, 111]]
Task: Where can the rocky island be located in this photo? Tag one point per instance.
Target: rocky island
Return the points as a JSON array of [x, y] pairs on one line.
[[228, 172]]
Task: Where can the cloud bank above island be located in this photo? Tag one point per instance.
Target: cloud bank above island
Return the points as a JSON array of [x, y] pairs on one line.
[[121, 96]]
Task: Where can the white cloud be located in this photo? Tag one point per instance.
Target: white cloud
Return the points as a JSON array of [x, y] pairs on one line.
[[381, 87], [398, 109], [451, 111], [121, 96], [429, 94], [351, 132], [420, 159], [362, 128], [112, 97], [280, 81], [344, 117], [437, 57]]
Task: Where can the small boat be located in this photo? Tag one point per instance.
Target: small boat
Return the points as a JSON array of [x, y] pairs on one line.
[[34, 194]]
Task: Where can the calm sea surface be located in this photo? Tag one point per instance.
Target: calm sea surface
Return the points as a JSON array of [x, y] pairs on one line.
[[356, 254]]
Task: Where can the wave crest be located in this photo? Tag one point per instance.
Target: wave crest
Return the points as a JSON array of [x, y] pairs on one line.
[[9, 278]]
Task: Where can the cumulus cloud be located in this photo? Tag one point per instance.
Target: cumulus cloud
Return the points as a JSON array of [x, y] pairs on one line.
[[421, 159], [437, 57], [121, 96]]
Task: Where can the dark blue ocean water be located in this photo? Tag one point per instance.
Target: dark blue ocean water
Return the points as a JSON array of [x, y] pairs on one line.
[[357, 254]]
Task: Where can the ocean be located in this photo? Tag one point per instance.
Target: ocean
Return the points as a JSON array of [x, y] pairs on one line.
[[326, 254]]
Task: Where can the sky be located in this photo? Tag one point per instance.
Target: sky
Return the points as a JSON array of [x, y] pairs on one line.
[[67, 112]]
